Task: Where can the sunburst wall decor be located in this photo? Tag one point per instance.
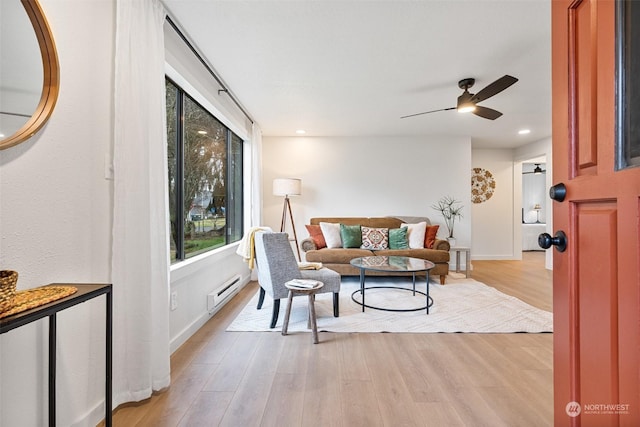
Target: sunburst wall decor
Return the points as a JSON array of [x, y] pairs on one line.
[[482, 185]]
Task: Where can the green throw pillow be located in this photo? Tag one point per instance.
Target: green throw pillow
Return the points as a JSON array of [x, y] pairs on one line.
[[398, 238], [351, 236]]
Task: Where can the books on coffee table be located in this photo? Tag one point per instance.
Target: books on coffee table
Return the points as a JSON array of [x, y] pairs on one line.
[[303, 283]]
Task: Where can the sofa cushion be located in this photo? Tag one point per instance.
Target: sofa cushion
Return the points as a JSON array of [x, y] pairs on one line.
[[375, 238], [428, 254], [398, 238], [351, 236], [331, 233], [336, 256], [430, 236], [416, 234], [315, 232]]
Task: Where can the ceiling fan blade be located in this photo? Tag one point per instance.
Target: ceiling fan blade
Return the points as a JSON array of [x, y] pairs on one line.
[[486, 113], [427, 112], [494, 88]]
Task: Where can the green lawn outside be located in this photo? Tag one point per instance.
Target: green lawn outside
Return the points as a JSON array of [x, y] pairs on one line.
[[194, 246]]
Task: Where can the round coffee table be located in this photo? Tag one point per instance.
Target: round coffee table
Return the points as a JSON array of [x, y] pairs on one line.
[[392, 264]]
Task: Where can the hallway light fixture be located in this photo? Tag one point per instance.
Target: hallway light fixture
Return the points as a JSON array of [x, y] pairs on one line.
[[536, 171]]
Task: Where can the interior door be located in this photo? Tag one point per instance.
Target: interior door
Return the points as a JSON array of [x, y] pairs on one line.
[[596, 299]]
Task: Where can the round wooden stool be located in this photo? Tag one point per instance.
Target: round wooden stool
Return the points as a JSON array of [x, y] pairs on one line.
[[311, 320]]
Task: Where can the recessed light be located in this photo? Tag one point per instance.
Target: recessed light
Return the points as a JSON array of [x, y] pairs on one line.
[[202, 132], [524, 131], [301, 131]]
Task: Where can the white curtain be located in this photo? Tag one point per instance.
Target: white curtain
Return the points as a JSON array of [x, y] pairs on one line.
[[256, 176], [140, 264]]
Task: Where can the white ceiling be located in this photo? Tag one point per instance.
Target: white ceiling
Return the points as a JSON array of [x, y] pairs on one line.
[[352, 68]]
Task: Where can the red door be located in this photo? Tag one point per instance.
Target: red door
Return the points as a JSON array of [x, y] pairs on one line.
[[596, 299]]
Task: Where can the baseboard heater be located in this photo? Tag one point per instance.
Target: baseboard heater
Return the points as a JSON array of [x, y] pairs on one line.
[[217, 297]]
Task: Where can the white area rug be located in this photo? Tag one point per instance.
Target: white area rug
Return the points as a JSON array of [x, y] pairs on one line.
[[462, 305]]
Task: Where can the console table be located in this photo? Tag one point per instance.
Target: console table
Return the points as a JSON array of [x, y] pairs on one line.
[[85, 292]]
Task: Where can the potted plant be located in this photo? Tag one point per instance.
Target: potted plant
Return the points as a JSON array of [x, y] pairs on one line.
[[450, 209]]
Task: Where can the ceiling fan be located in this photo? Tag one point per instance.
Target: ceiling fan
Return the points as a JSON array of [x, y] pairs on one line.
[[536, 171], [467, 102]]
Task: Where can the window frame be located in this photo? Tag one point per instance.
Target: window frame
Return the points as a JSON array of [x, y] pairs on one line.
[[229, 175]]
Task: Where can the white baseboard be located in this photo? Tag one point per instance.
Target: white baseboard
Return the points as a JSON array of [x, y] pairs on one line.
[[493, 257]]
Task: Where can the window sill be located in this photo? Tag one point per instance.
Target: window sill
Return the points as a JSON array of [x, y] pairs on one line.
[[189, 266]]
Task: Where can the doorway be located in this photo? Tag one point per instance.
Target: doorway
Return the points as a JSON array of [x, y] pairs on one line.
[[532, 204]]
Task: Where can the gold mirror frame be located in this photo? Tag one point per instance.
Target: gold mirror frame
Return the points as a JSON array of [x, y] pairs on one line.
[[50, 73]]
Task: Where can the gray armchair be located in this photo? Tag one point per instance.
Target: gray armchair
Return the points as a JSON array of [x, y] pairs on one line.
[[276, 265]]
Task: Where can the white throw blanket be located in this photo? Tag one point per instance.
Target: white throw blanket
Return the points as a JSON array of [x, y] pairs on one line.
[[246, 249]]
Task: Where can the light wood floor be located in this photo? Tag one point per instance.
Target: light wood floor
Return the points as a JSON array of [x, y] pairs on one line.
[[264, 379]]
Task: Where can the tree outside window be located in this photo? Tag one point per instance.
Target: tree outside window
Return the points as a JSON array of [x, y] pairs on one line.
[[205, 169]]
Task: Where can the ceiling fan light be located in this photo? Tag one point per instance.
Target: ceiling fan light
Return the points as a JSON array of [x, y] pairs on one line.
[[465, 103], [537, 170], [466, 108]]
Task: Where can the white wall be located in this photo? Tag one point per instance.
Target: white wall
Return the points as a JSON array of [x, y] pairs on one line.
[[368, 176], [379, 176], [192, 281], [494, 230], [55, 222]]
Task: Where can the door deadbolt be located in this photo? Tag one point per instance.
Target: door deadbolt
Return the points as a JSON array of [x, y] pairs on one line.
[[558, 192]]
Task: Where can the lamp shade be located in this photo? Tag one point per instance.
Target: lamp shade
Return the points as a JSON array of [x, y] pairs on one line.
[[287, 187], [537, 207]]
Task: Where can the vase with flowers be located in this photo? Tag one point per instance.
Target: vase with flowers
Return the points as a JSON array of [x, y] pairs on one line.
[[450, 209]]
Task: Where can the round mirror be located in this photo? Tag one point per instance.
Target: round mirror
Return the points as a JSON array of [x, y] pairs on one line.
[[29, 75]]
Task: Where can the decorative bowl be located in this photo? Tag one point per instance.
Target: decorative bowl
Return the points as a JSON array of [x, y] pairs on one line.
[[8, 282]]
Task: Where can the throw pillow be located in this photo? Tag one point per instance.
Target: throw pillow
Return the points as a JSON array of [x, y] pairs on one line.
[[430, 236], [331, 233], [315, 232], [416, 234], [351, 236], [375, 239], [398, 238]]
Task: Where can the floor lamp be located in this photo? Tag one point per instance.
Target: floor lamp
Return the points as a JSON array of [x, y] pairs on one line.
[[288, 187]]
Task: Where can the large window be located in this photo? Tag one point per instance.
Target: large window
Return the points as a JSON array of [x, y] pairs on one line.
[[205, 178]]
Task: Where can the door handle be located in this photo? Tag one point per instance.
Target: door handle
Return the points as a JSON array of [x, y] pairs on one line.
[[545, 241], [558, 192]]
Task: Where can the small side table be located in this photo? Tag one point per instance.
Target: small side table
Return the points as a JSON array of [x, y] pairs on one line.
[[311, 321], [467, 251]]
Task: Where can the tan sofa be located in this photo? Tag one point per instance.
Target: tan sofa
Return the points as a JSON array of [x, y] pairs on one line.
[[338, 259]]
